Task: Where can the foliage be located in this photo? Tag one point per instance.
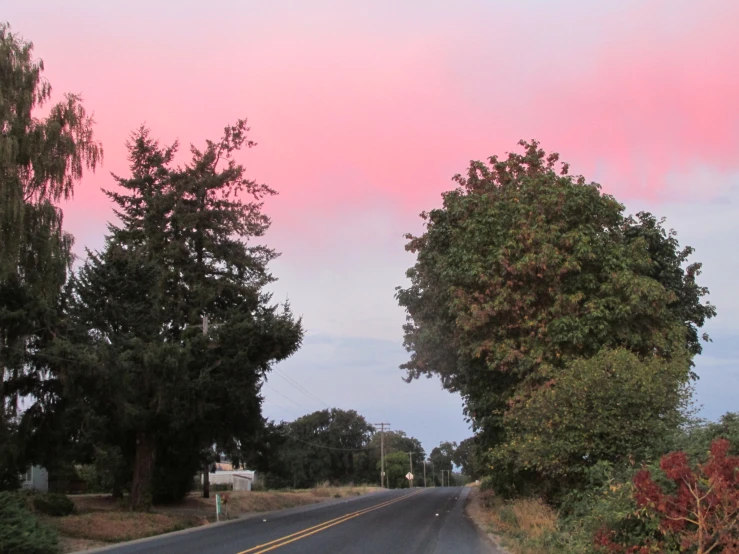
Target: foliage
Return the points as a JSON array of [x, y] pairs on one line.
[[41, 161], [466, 456], [613, 407], [52, 504], [324, 446], [162, 389], [696, 437], [20, 531], [700, 510], [397, 465], [107, 472], [525, 270], [442, 458], [398, 441]]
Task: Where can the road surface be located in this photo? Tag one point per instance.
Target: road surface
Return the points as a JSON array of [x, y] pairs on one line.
[[415, 521]]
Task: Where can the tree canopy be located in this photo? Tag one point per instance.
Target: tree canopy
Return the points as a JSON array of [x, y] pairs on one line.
[[174, 328], [525, 270], [42, 159]]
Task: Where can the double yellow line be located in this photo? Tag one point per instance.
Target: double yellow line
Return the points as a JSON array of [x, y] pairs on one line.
[[277, 543]]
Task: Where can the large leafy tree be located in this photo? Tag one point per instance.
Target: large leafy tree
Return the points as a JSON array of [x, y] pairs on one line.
[[526, 269], [466, 457], [175, 313], [397, 466], [399, 441], [327, 445], [41, 161], [442, 457]]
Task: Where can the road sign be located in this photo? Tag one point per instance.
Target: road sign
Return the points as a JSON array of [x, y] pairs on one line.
[[409, 476]]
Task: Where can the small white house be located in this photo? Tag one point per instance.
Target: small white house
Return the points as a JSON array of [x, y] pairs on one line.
[[241, 480], [36, 478]]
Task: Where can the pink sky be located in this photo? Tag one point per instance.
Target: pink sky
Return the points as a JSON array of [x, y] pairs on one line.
[[364, 110]]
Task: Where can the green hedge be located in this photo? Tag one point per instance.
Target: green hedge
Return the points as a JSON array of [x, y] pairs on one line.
[[52, 504], [20, 531]]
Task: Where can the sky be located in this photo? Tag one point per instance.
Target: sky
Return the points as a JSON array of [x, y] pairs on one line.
[[363, 111]]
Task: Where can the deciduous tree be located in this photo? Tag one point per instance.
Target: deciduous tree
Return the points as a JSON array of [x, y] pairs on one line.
[[524, 270]]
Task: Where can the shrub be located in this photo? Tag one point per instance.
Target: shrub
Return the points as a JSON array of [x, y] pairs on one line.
[[611, 407], [53, 504], [703, 510], [20, 531]]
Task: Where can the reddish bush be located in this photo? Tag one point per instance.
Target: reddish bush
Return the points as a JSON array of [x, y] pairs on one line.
[[702, 514]]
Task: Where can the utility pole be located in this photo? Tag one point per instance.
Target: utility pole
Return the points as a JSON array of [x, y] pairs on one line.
[[206, 472], [382, 451], [410, 460]]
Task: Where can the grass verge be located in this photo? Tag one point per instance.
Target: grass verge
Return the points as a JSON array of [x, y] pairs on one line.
[[119, 526], [100, 520], [525, 526]]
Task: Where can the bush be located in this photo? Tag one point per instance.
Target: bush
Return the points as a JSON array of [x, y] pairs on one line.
[[52, 504], [20, 531], [612, 407], [700, 509]]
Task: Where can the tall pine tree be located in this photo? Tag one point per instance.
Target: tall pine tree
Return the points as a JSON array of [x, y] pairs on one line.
[[175, 310]]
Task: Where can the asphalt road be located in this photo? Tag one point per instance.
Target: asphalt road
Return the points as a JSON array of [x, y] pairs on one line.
[[419, 521]]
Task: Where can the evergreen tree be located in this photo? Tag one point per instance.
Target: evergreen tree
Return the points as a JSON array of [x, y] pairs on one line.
[[41, 161], [175, 311]]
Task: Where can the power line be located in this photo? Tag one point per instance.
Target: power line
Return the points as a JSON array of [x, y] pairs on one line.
[[286, 397], [301, 388], [280, 406]]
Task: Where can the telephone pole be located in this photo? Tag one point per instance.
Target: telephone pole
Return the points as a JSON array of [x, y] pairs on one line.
[[410, 460], [382, 451], [206, 473]]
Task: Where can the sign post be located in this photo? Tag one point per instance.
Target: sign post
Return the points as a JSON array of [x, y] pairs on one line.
[[218, 507], [409, 476]]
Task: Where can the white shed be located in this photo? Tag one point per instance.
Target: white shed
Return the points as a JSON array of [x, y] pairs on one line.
[[241, 480], [36, 478]]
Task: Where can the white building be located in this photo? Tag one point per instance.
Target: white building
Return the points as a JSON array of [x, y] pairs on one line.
[[36, 478], [240, 480]]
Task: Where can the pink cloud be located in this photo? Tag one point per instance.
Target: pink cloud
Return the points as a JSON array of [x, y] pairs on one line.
[[353, 106]]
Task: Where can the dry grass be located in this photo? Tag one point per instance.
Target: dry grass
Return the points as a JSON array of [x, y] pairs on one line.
[[533, 517], [69, 545], [119, 526], [518, 522], [256, 501], [327, 491], [240, 502], [102, 520], [85, 503]]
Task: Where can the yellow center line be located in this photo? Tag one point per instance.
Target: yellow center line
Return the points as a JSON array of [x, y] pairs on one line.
[[277, 543]]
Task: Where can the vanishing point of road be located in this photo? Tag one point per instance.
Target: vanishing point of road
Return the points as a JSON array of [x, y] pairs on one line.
[[415, 521]]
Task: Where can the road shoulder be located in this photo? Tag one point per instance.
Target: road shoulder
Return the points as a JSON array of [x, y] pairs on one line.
[[476, 513]]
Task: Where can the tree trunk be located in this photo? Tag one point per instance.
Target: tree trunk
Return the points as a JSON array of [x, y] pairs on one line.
[[143, 473], [206, 481]]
